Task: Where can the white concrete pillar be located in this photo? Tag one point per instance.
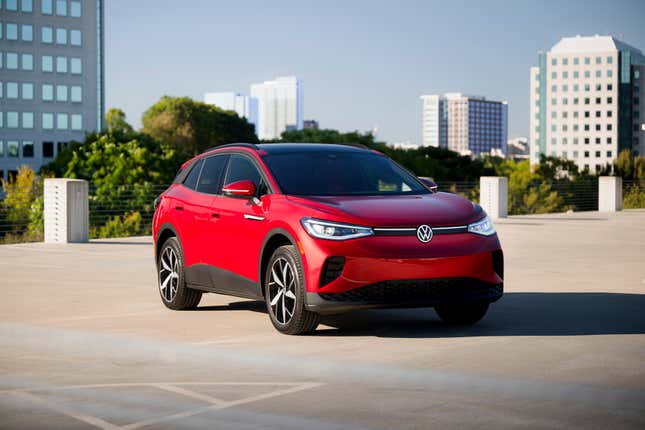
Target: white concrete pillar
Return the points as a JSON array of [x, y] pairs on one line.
[[493, 195], [66, 211], [610, 193]]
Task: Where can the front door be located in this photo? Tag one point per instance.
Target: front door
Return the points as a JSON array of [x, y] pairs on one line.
[[242, 228]]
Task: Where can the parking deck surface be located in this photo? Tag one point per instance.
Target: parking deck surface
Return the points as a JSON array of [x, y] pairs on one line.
[[85, 342]]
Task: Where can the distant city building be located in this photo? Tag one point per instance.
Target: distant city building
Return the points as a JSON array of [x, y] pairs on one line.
[[406, 144], [470, 125], [244, 106], [310, 123], [280, 106], [518, 148], [586, 95], [434, 121], [51, 78]]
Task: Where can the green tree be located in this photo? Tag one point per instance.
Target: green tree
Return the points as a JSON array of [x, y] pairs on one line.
[[311, 135], [21, 211], [115, 122], [192, 127]]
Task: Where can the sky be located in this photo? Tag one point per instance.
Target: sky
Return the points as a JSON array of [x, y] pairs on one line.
[[364, 64]]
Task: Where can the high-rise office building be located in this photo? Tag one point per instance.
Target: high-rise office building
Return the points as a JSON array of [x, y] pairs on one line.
[[244, 106], [470, 125], [280, 106], [51, 78], [585, 98], [434, 121]]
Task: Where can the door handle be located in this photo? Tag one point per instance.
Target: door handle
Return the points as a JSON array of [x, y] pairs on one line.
[[214, 215], [179, 208]]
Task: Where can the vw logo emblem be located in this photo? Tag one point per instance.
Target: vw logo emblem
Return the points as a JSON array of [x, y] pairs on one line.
[[424, 233]]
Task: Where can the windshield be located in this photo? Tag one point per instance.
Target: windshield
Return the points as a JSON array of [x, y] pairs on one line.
[[340, 173]]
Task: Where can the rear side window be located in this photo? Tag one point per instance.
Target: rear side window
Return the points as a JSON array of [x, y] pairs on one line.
[[210, 181], [191, 179]]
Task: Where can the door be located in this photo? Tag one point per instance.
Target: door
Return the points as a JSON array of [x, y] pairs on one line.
[[242, 226], [183, 217], [207, 228]]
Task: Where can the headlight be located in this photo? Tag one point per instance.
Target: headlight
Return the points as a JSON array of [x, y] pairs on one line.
[[333, 230], [483, 227]]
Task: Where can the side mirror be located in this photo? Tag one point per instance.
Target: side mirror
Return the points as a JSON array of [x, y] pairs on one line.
[[429, 183], [243, 189]]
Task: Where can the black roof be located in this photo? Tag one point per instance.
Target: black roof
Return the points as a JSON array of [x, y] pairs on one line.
[[283, 148]]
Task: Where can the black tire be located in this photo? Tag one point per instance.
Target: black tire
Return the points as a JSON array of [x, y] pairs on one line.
[[465, 314], [184, 298], [301, 321]]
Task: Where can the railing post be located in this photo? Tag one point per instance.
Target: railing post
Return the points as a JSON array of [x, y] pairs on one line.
[[610, 194], [493, 195], [66, 211]]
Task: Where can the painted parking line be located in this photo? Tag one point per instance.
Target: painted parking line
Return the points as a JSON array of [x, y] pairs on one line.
[[180, 388]]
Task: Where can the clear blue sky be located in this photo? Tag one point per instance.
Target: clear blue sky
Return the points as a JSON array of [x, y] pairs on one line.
[[363, 63]]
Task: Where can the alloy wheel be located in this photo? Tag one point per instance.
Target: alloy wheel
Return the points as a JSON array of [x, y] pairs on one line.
[[169, 274], [282, 290]]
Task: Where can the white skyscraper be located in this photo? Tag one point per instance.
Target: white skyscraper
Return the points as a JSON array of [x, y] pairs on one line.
[[280, 106], [585, 101], [244, 106], [434, 121]]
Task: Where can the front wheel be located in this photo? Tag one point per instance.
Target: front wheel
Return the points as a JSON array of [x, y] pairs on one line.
[[466, 314], [285, 293]]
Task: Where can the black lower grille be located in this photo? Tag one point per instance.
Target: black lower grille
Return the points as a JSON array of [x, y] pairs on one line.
[[426, 291], [331, 270], [498, 263]]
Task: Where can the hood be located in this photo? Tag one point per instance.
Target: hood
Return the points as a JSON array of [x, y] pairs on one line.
[[436, 210]]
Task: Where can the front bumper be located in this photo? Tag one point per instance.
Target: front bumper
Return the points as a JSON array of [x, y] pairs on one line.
[[406, 294], [454, 268]]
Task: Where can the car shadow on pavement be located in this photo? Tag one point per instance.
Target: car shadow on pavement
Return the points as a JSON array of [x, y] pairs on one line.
[[516, 314]]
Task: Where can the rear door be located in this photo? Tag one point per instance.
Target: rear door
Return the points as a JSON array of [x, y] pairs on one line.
[[183, 197], [208, 242]]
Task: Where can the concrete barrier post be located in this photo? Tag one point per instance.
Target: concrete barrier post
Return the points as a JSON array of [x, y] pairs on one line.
[[66, 211], [610, 194], [493, 196]]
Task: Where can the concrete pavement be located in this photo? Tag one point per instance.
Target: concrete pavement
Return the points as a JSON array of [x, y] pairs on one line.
[[85, 342]]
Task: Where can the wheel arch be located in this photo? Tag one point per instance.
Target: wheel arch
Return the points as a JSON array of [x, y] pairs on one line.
[[165, 232], [273, 240]]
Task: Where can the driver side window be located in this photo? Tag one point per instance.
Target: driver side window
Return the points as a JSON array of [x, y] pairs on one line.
[[241, 168]]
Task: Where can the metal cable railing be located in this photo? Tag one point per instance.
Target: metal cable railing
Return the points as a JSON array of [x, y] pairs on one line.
[[634, 194], [127, 210], [21, 213]]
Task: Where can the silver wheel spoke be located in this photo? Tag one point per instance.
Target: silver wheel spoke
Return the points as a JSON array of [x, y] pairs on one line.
[[276, 279], [165, 265], [284, 311], [276, 298], [290, 294], [164, 284]]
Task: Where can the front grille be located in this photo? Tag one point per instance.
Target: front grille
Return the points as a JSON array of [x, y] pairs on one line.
[[426, 291], [332, 269]]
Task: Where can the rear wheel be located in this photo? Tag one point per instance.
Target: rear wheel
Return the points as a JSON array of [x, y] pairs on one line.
[[172, 283], [465, 314], [285, 293]]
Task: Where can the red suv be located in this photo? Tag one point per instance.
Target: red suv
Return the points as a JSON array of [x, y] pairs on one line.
[[315, 229]]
